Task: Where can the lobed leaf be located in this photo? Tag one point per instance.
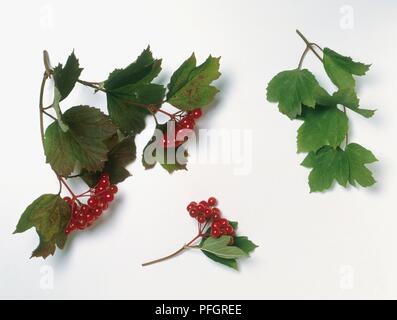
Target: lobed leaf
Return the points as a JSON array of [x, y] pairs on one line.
[[144, 69], [120, 155], [190, 85], [341, 69], [127, 105], [322, 126], [83, 143], [291, 89], [344, 166], [49, 214], [66, 77]]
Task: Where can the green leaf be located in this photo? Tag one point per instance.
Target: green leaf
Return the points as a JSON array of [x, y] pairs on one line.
[[127, 105], [66, 77], [82, 144], [231, 263], [219, 247], [171, 159], [291, 89], [328, 164], [348, 98], [143, 70], [359, 156], [322, 126], [345, 97], [49, 214], [190, 85], [244, 244], [341, 69], [120, 155]]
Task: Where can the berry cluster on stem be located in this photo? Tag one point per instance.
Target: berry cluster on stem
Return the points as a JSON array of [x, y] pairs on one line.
[[184, 123], [99, 198]]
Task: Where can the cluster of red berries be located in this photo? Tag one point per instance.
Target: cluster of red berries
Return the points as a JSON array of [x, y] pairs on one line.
[[84, 215], [183, 127], [206, 211]]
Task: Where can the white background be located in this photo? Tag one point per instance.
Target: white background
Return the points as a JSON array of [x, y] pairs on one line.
[[340, 244]]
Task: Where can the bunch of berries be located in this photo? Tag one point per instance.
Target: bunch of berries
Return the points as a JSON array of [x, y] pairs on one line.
[[183, 127], [99, 197], [206, 212]]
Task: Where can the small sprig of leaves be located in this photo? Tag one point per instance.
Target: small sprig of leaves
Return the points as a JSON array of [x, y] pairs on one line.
[[217, 237], [85, 143], [324, 134]]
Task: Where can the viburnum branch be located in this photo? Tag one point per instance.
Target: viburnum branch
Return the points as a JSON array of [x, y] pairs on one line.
[[324, 132], [219, 241], [101, 145]]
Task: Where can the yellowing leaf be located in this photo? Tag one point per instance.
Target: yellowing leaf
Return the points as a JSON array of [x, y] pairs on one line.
[[49, 214], [190, 85]]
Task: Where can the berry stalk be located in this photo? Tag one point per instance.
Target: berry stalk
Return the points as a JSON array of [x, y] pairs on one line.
[[179, 251], [205, 212]]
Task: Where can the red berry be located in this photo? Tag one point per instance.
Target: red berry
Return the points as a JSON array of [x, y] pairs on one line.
[[92, 202], [216, 210], [188, 123], [196, 113], [75, 213], [193, 213], [223, 222], [108, 196], [104, 182], [215, 232], [200, 208], [90, 218], [85, 209], [81, 224], [72, 225], [97, 212], [212, 201], [190, 207], [208, 213], [113, 189], [204, 203], [68, 200], [201, 219], [229, 230], [99, 190], [68, 230], [81, 216], [184, 123], [215, 225], [101, 204]]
